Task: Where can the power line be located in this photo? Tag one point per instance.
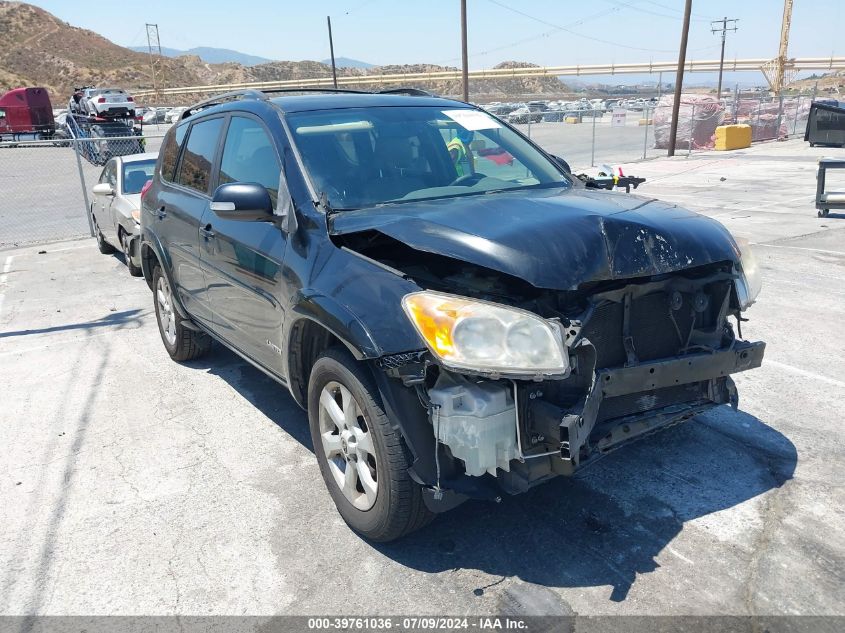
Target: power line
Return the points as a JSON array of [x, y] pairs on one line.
[[663, 6], [581, 35], [650, 12], [531, 38]]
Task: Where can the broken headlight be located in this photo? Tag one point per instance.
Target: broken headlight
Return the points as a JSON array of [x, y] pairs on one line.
[[486, 337], [750, 280]]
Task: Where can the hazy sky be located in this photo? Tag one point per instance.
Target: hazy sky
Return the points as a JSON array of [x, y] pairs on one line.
[[392, 31]]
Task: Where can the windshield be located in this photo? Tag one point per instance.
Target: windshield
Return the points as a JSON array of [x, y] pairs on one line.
[[361, 157], [136, 174]]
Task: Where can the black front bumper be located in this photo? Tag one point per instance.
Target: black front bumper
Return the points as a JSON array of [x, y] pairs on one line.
[[631, 397]]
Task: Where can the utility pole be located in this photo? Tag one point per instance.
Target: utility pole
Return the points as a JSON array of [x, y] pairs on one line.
[[464, 56], [679, 78], [154, 48], [331, 49], [724, 28]]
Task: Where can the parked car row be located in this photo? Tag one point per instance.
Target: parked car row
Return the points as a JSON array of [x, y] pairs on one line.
[[460, 317], [557, 111]]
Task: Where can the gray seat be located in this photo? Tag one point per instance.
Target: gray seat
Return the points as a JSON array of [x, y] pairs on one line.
[[134, 181]]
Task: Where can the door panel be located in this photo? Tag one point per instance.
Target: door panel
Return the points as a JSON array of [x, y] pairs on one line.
[[180, 211], [243, 260], [243, 264], [180, 208]]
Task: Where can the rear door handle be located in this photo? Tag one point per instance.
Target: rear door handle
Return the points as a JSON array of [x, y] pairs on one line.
[[206, 231], [161, 213]]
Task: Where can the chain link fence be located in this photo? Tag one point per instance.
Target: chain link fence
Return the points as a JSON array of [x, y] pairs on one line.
[[590, 138], [46, 184]]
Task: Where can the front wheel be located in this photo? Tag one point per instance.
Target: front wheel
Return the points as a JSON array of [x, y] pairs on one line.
[[363, 459]]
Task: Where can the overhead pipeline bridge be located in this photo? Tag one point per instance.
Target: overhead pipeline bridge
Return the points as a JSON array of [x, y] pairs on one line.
[[827, 64]]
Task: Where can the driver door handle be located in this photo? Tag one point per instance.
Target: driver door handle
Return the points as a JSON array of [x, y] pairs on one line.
[[206, 231]]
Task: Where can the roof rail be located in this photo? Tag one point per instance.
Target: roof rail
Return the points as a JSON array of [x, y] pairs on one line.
[[338, 90], [261, 95], [413, 92], [226, 96]]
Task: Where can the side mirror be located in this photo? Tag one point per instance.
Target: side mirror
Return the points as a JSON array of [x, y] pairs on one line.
[[247, 201], [562, 163], [103, 189]]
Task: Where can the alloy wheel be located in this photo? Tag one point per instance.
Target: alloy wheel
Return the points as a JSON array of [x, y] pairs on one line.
[[167, 318], [348, 445]]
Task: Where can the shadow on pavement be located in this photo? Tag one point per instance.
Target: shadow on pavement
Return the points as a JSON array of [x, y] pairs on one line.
[[118, 319], [609, 523], [600, 528], [265, 394]]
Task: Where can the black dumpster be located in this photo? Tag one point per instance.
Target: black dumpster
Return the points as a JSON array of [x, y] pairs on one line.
[[826, 125]]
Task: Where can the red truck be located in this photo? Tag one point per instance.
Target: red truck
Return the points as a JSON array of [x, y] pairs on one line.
[[26, 113]]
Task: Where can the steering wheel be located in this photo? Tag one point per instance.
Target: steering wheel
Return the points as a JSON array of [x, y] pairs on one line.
[[460, 180]]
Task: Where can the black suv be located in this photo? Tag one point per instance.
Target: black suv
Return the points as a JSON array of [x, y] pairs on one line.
[[459, 315]]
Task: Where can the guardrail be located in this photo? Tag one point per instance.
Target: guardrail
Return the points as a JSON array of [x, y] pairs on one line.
[[736, 65]]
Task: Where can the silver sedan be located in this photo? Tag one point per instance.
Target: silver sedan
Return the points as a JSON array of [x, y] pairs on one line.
[[116, 204]]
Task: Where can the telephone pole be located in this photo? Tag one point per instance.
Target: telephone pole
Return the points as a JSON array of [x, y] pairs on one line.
[[331, 49], [464, 62], [154, 48], [724, 28], [679, 78]]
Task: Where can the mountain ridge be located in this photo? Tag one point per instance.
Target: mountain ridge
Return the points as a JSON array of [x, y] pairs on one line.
[[209, 54], [39, 49]]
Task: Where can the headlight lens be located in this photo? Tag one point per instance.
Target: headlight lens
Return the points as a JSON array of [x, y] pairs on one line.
[[750, 283], [136, 215], [486, 337]]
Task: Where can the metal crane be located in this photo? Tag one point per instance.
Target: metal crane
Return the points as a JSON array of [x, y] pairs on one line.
[[775, 70]]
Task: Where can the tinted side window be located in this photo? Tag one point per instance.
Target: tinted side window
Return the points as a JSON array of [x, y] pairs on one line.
[[170, 152], [195, 166], [249, 156]]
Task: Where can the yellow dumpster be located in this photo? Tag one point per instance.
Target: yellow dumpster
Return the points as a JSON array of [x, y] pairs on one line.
[[733, 137], [572, 119]]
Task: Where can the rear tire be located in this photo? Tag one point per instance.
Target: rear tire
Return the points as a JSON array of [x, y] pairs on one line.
[[102, 245], [181, 343], [383, 503], [134, 270]]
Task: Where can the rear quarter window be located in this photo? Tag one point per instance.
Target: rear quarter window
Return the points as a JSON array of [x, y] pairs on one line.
[[170, 152], [198, 158]]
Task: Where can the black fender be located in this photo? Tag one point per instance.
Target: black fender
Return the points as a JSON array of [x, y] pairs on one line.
[[150, 241], [337, 319]]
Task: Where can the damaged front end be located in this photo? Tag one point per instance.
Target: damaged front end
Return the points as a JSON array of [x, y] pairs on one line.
[[521, 383], [640, 356]]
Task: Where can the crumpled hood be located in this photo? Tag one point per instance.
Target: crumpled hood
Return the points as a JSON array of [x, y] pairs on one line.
[[553, 239]]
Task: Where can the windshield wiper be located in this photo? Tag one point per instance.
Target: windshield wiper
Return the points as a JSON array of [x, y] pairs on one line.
[[539, 185]]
